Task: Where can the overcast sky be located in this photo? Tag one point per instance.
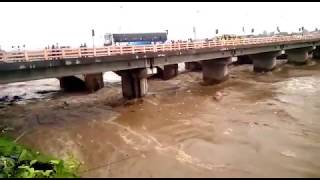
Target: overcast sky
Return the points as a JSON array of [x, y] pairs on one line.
[[39, 24]]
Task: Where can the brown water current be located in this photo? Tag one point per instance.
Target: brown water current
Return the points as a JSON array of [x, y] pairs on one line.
[[252, 125]]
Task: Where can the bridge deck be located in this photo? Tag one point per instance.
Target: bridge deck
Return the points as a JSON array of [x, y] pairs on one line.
[[214, 45]]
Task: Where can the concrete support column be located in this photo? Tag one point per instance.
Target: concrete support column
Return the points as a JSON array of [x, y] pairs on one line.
[[168, 71], [245, 59], [90, 82], [93, 82], [316, 53], [72, 83], [282, 56], [215, 70], [193, 66], [298, 56], [134, 82], [264, 61]]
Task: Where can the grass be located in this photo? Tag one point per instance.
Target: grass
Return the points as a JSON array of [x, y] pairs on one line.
[[17, 161]]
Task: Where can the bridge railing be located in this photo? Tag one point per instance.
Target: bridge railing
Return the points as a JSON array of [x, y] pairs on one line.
[[65, 53]]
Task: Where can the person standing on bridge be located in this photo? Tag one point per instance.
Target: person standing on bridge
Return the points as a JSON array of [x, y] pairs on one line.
[[85, 49]]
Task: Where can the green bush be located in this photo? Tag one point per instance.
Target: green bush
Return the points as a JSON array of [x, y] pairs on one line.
[[17, 161]]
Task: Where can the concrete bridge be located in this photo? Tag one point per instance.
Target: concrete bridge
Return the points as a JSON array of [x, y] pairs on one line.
[[136, 63]]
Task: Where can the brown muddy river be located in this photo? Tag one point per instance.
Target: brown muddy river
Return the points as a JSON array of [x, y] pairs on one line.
[[253, 125]]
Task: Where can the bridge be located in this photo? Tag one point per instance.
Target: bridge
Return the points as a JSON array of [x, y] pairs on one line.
[[136, 63]]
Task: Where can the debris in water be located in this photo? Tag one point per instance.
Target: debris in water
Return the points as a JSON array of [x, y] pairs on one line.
[[228, 131], [218, 96], [288, 153], [65, 103]]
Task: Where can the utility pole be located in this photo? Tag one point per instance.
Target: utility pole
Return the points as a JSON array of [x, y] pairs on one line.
[[194, 33], [93, 38], [194, 27]]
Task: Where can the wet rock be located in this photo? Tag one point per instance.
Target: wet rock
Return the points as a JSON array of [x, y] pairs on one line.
[[46, 91], [4, 98], [16, 98], [65, 103]]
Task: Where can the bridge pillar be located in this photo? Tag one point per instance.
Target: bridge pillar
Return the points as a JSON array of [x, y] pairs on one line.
[[72, 83], [134, 82], [168, 71], [193, 66], [93, 82], [264, 61], [245, 59], [298, 56], [316, 53], [90, 82], [215, 70]]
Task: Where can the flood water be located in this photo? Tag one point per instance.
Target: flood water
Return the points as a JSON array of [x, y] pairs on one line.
[[253, 125]]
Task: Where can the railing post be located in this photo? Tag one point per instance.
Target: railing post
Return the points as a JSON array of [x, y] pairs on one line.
[[144, 49], [63, 53], [26, 55], [162, 47], [132, 47], [94, 52], [187, 45], [46, 54], [109, 53], [4, 56], [79, 52], [179, 47], [154, 48], [120, 49]]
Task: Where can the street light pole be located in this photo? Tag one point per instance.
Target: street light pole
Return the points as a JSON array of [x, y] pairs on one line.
[[93, 38], [194, 26]]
